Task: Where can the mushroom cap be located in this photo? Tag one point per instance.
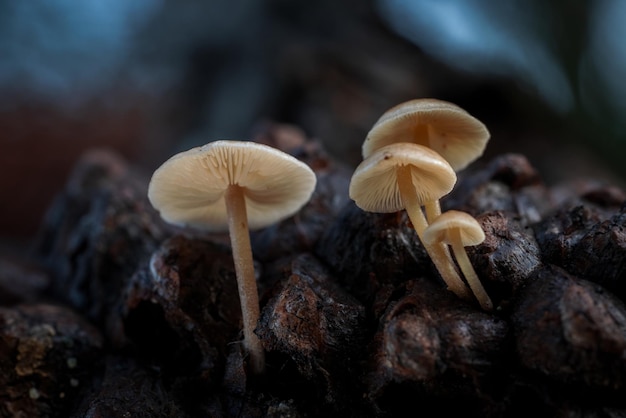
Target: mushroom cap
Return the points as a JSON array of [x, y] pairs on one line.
[[374, 185], [468, 228], [189, 188], [451, 131]]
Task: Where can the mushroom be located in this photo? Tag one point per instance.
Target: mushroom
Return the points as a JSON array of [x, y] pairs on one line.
[[408, 176], [233, 186], [459, 229], [442, 126]]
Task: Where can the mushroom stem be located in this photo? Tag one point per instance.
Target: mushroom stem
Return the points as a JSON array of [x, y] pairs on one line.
[[244, 269], [433, 210], [437, 252], [421, 134], [468, 270]]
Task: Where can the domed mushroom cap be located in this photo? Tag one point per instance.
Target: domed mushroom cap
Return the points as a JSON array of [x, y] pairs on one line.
[[446, 128], [374, 186], [454, 222], [189, 188]]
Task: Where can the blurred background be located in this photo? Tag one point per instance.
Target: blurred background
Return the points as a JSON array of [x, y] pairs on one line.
[[148, 78]]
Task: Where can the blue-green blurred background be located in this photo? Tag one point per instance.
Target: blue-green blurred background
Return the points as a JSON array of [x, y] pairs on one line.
[[148, 78]]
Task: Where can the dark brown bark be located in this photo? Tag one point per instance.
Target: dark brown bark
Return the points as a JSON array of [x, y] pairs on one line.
[[354, 318]]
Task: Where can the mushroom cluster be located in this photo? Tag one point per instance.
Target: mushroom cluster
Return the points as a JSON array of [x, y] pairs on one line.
[[233, 186], [410, 159]]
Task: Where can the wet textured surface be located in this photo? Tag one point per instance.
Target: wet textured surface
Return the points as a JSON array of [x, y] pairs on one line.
[[119, 314]]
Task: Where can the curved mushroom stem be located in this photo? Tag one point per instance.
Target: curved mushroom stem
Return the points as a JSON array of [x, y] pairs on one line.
[[244, 269], [436, 252], [468, 271]]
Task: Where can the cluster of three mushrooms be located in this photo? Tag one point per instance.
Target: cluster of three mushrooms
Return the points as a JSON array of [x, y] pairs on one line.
[[236, 186], [410, 159]]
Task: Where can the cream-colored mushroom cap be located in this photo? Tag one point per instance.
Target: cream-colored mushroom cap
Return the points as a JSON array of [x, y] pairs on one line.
[[445, 127], [188, 189], [374, 186], [465, 225]]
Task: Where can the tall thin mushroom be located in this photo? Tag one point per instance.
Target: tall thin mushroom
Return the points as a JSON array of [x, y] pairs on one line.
[[234, 186], [442, 126], [408, 176]]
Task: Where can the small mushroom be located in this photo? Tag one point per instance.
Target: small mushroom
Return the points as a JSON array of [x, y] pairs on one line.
[[444, 127], [459, 229], [234, 186], [407, 176]]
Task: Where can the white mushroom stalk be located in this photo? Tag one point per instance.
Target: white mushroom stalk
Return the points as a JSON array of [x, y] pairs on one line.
[[235, 186], [244, 270], [469, 273]]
